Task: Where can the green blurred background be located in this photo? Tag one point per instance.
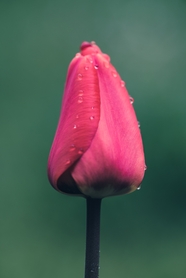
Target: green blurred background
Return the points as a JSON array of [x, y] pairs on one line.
[[42, 232]]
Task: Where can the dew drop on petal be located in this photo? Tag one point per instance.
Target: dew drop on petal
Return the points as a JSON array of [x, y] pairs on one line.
[[138, 124], [67, 162], [80, 151], [72, 148], [131, 100], [86, 68], [80, 99], [75, 126], [92, 107], [80, 93], [122, 83], [78, 55], [145, 168], [80, 76], [114, 74], [91, 118], [77, 116], [96, 67], [139, 187]]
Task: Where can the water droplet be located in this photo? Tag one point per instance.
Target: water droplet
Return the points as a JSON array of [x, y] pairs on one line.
[[96, 67], [80, 99], [78, 55], [91, 118], [92, 107], [80, 76], [114, 74], [75, 126], [72, 148], [80, 93], [131, 100], [139, 187], [145, 168], [122, 83], [80, 151], [77, 116], [138, 124], [86, 68], [67, 162]]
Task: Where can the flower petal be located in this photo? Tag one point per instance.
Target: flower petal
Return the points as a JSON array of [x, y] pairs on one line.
[[78, 122], [114, 163]]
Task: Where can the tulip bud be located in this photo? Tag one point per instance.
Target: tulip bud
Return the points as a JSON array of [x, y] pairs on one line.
[[97, 149]]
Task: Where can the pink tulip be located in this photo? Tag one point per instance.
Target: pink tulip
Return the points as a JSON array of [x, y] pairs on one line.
[[97, 149]]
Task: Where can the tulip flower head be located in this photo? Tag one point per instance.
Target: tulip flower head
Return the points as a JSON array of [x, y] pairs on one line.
[[97, 149]]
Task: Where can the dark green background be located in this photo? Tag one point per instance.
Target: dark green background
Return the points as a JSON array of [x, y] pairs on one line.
[[42, 232]]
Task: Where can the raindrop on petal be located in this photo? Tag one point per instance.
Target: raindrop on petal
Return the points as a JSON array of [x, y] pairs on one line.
[[86, 68], [80, 93], [72, 148], [67, 162], [114, 74], [131, 100], [145, 168], [139, 187], [96, 67], [122, 83], [80, 151], [80, 76], [138, 124], [75, 126], [80, 99], [91, 118]]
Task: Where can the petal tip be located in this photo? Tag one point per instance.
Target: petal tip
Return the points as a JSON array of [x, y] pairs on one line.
[[85, 45], [88, 48]]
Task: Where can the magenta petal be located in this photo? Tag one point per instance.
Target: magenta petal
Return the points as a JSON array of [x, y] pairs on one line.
[[78, 120], [114, 162], [97, 150]]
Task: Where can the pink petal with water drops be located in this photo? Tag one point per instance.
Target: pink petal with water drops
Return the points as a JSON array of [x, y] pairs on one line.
[[114, 162], [78, 122]]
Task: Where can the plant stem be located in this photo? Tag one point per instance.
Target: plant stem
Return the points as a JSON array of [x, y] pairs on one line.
[[92, 238]]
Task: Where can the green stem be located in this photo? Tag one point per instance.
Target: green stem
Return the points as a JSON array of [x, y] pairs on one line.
[[92, 238]]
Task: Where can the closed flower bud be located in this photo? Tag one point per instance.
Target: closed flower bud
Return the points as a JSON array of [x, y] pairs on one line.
[[97, 149]]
